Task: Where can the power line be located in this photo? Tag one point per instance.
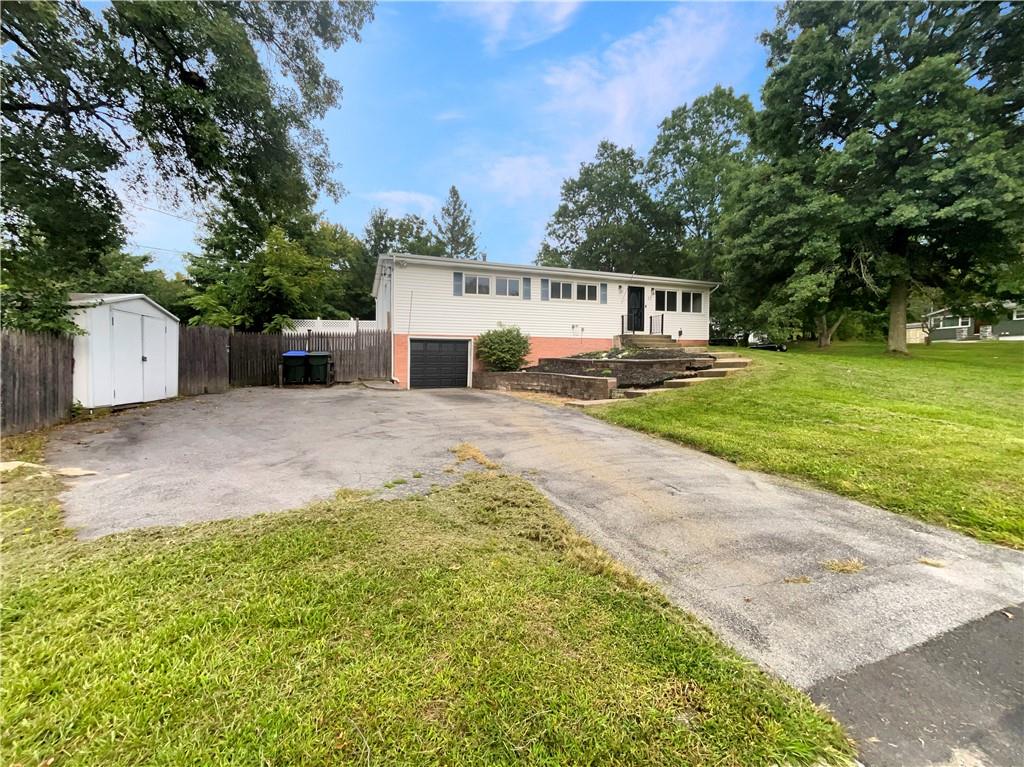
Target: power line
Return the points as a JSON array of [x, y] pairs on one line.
[[154, 247], [167, 213]]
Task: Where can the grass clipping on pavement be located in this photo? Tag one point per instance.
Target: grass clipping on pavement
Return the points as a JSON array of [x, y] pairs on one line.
[[470, 626]]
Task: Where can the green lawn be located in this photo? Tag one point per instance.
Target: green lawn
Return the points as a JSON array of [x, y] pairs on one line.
[[469, 626], [938, 435]]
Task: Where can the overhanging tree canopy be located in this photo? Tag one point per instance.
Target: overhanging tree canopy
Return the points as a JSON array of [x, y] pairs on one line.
[[911, 115], [205, 97]]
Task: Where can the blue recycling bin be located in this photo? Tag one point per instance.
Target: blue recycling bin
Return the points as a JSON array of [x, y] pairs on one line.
[[294, 367]]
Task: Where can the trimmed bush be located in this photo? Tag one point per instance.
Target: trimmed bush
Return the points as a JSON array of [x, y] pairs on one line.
[[503, 349]]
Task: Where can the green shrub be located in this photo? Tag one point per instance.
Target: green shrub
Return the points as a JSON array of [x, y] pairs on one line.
[[503, 349]]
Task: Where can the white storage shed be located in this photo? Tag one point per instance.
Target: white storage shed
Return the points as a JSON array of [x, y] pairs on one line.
[[129, 351]]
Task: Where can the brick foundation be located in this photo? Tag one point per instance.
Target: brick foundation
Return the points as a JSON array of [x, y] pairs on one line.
[[539, 347]]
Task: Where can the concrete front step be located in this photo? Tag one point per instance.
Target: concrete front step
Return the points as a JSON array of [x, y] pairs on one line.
[[724, 355], [732, 364], [712, 373], [682, 383], [636, 393]]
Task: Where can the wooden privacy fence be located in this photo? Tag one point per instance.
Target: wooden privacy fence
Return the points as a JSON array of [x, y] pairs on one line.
[[36, 380], [254, 357], [203, 360]]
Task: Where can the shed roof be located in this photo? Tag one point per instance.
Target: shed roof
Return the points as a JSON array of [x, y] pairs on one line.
[[95, 299]]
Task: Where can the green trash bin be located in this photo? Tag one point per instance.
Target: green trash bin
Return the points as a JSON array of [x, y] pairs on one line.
[[319, 367], [294, 367]]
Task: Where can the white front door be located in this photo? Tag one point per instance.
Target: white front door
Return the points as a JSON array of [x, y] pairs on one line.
[[126, 340], [154, 358]]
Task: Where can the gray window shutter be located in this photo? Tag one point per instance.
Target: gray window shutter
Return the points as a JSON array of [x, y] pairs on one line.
[[456, 283], [526, 288], [545, 289], [604, 292]]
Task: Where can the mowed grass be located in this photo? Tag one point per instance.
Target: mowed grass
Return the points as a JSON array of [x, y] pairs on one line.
[[938, 435], [470, 626]]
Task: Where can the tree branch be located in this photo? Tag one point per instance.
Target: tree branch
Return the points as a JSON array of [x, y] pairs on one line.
[[62, 108]]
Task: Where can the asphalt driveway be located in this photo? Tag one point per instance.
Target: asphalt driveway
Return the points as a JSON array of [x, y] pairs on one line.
[[740, 549]]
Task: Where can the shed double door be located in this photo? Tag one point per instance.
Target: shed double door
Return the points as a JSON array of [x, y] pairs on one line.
[[139, 357]]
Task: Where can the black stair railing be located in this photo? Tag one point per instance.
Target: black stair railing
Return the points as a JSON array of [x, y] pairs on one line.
[[656, 324]]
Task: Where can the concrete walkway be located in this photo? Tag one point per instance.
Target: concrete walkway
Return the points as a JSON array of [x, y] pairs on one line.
[[740, 549]]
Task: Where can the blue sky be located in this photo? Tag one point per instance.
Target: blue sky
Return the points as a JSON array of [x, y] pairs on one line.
[[504, 100]]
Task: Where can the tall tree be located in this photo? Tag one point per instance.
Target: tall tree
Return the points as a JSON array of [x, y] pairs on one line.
[[407, 234], [120, 272], [203, 97], [910, 114], [454, 229], [699, 150], [286, 279], [608, 221], [783, 257]]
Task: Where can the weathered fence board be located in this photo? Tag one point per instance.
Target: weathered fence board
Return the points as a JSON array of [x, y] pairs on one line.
[[203, 366], [364, 355], [36, 380]]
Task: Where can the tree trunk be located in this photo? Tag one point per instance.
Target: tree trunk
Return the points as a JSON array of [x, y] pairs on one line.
[[826, 331], [821, 330], [897, 342]]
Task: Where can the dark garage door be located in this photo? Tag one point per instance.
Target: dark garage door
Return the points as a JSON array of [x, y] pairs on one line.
[[436, 364]]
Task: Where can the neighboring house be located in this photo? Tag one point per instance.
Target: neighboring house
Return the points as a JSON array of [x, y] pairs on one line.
[[916, 333], [436, 307], [943, 325], [341, 327]]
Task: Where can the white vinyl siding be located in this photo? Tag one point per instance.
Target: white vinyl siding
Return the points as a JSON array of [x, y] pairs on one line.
[[424, 304]]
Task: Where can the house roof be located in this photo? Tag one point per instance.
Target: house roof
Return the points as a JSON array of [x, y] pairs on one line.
[[494, 266], [945, 310], [95, 299]]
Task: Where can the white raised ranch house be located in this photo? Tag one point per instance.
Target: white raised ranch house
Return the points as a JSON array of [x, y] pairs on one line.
[[435, 307]]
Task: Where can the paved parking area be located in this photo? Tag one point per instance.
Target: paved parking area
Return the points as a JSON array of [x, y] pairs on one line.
[[740, 549]]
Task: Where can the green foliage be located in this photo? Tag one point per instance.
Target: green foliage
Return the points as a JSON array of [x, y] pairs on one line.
[[886, 430], [608, 221], [454, 229], [503, 349], [409, 234], [119, 272], [699, 150], [285, 279], [904, 117], [214, 99]]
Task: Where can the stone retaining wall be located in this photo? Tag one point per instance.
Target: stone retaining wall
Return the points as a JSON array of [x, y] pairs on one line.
[[628, 372], [575, 386]]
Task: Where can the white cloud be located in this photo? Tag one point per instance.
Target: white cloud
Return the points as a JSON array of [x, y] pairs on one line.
[[514, 26], [399, 201], [524, 176], [450, 115], [630, 86]]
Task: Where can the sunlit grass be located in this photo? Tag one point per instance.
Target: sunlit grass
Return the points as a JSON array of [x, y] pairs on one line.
[[938, 435]]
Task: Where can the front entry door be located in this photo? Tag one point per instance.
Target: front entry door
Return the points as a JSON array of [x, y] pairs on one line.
[[635, 309]]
